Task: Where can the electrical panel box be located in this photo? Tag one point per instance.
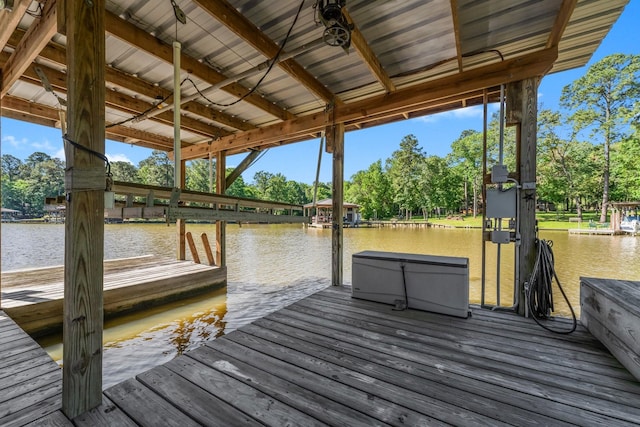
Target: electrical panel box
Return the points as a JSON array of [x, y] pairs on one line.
[[501, 203], [433, 283], [499, 174], [501, 236]]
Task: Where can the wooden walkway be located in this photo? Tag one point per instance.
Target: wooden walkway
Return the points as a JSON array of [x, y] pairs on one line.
[[30, 381], [332, 360], [33, 297]]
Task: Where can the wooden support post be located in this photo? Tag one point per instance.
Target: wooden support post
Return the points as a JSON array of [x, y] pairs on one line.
[[207, 248], [522, 102], [181, 250], [335, 140], [221, 226], [84, 225], [192, 248]]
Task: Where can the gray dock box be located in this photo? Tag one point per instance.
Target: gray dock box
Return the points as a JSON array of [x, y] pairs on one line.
[[434, 283]]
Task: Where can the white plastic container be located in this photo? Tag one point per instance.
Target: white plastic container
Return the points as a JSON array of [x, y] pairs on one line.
[[433, 283]]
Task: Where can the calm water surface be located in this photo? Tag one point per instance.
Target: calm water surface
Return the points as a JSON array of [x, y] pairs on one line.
[[270, 266]]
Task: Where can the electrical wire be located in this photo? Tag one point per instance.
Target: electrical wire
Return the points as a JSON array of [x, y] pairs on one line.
[[148, 110], [538, 290], [101, 156], [274, 61]]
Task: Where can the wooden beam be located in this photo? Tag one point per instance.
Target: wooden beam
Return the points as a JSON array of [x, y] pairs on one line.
[[84, 224], [561, 22], [48, 116], [36, 37], [56, 53], [515, 69], [136, 37], [244, 164], [126, 103], [9, 20], [335, 133], [368, 56], [456, 32], [245, 29], [221, 226]]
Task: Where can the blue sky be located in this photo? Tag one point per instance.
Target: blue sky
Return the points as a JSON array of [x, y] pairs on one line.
[[298, 161]]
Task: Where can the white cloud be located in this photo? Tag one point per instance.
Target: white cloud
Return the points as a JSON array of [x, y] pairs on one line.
[[118, 158], [461, 113], [60, 154], [12, 141], [46, 146]]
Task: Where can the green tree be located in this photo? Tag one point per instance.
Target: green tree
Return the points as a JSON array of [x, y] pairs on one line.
[[239, 188], [42, 176], [156, 169], [403, 169], [603, 101], [11, 167], [277, 188], [124, 171], [625, 164], [261, 181], [197, 176], [323, 191], [466, 160], [295, 193], [371, 189], [440, 183], [566, 168]]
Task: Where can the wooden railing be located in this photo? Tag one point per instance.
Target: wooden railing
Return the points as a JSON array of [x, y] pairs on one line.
[[172, 204]]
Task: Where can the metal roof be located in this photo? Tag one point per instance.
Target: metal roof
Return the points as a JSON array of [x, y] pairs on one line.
[[402, 45]]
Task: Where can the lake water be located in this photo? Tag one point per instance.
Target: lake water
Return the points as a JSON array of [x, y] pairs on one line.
[[270, 266]]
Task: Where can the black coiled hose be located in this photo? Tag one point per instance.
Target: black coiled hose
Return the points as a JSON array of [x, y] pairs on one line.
[[538, 289]]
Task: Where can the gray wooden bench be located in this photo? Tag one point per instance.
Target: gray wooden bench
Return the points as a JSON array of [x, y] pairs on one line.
[[611, 312]]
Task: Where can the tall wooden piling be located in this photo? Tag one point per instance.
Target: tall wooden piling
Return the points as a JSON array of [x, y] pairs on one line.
[[335, 142], [84, 226], [221, 226], [522, 111]]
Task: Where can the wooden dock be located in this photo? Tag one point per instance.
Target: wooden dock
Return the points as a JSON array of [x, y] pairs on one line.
[[333, 360], [34, 297], [30, 381], [595, 231]]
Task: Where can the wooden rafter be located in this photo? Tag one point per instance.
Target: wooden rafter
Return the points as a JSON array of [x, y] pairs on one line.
[[140, 39], [32, 112], [57, 54], [368, 56], [456, 32], [412, 98], [30, 46], [124, 103], [561, 22], [9, 20], [245, 29]]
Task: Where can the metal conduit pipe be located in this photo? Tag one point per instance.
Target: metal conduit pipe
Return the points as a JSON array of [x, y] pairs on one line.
[[177, 164], [500, 162], [248, 73]]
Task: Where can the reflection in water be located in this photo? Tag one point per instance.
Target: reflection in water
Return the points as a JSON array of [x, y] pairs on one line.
[[271, 266]]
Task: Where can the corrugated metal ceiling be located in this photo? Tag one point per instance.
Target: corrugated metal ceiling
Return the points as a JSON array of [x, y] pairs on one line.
[[413, 40]]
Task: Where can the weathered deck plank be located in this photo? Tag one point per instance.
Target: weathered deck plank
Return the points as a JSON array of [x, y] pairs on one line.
[[35, 297], [413, 368], [30, 381], [333, 360]]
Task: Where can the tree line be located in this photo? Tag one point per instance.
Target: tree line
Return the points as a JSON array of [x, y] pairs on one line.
[[588, 155]]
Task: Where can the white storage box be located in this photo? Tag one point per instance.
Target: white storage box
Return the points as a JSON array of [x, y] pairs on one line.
[[433, 283]]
